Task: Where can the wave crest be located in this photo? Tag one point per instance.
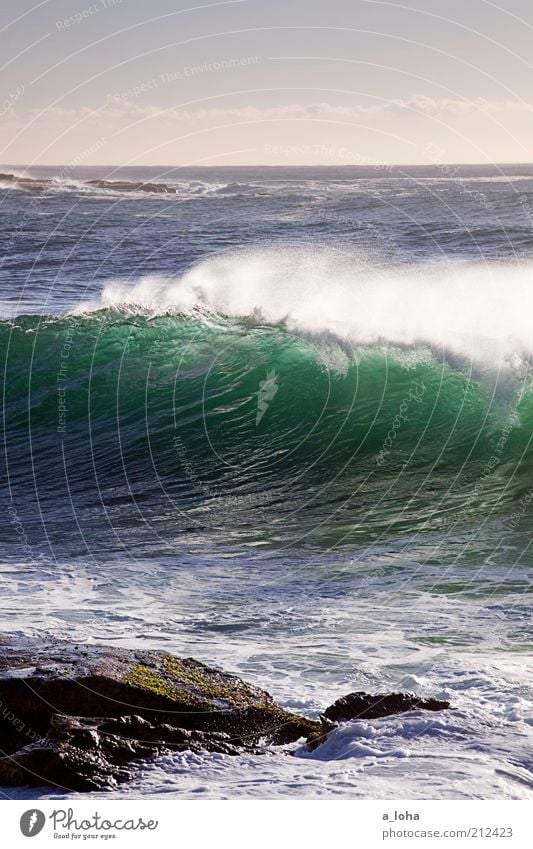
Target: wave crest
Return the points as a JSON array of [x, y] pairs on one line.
[[477, 313]]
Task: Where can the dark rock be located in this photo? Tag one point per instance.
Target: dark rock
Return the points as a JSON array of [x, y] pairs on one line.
[[363, 706], [76, 716], [79, 717], [92, 754]]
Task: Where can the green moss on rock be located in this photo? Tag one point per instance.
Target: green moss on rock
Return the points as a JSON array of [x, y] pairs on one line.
[[208, 684], [150, 680]]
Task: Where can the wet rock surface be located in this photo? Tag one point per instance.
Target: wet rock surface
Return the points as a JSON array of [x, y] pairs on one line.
[[81, 717], [363, 706], [78, 716]]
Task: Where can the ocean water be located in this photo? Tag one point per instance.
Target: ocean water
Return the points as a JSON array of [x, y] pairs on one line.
[[280, 419]]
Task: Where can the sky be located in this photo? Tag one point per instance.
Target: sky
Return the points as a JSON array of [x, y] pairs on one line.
[[269, 82]]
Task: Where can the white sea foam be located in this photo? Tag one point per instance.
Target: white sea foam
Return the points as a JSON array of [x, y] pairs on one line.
[[480, 312], [307, 647]]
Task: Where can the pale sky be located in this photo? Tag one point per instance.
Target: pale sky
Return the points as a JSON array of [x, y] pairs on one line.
[[243, 82]]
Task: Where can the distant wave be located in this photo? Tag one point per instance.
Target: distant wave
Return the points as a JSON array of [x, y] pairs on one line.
[[288, 186], [179, 189], [26, 183]]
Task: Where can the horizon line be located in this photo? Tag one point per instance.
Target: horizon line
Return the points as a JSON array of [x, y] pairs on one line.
[[378, 167]]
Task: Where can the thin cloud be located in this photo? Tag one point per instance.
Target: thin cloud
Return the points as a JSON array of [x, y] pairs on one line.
[[118, 109]]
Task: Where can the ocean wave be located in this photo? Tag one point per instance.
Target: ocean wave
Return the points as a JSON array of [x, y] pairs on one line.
[[185, 189], [475, 313], [242, 387], [223, 416], [140, 189], [290, 186]]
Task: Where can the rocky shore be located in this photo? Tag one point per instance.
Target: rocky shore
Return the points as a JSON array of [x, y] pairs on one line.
[[81, 717]]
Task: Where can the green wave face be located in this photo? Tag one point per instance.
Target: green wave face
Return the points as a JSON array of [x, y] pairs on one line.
[[240, 424]]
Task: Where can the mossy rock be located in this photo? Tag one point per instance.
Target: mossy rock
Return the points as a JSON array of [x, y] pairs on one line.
[[69, 710], [76, 716]]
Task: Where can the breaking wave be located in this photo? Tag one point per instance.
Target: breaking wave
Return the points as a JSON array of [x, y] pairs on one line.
[[284, 383]]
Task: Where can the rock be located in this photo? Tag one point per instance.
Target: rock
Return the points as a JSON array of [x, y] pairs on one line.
[[80, 717], [91, 754], [77, 717], [363, 706]]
